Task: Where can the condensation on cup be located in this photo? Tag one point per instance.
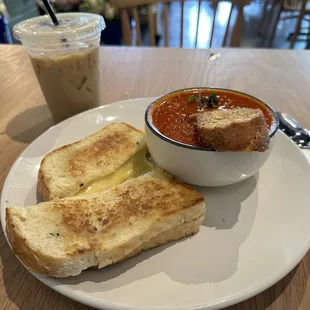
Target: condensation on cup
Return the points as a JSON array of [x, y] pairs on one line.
[[65, 59]]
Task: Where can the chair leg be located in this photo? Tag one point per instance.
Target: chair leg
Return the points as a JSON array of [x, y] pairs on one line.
[[227, 26], [274, 29], [269, 19], [262, 24], [236, 33], [298, 24]]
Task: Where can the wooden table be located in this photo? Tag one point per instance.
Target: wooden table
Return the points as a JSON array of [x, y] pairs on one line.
[[280, 78]]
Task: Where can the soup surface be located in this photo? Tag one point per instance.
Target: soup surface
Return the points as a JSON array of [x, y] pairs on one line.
[[172, 116]]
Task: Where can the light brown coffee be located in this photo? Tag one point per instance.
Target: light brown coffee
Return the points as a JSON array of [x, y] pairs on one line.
[[69, 83]]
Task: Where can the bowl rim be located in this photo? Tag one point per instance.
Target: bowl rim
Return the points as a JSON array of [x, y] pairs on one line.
[[148, 121]]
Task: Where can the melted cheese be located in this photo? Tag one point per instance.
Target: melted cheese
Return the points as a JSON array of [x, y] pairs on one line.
[[132, 168]]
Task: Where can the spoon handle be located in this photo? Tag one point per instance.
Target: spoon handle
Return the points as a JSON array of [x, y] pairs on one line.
[[290, 124]]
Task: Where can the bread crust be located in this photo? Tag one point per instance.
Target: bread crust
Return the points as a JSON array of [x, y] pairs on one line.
[[42, 188], [181, 231]]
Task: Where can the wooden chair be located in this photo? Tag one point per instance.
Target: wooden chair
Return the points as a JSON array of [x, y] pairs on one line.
[[299, 7], [298, 10], [128, 9]]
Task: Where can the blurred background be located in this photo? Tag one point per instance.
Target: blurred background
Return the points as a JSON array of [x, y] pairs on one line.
[[266, 23]]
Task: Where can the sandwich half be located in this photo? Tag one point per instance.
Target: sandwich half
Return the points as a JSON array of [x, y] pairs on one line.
[[63, 237], [75, 168]]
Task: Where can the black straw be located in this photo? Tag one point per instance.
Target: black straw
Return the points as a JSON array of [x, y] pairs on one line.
[[51, 12]]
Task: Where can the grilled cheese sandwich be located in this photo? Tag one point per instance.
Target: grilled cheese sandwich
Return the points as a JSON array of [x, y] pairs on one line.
[[63, 237], [104, 159]]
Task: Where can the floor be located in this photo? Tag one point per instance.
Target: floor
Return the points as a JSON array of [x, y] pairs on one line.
[[250, 37]]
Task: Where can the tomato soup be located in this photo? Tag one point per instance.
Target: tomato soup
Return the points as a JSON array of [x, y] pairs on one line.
[[172, 116]]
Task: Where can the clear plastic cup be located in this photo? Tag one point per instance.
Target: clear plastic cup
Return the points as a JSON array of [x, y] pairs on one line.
[[65, 59]]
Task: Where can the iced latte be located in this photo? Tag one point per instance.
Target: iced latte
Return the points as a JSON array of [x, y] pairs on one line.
[[65, 59]]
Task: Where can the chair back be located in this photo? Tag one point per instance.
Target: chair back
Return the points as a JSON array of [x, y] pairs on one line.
[[129, 10]]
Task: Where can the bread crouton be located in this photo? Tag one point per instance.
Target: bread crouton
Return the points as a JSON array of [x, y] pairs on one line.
[[235, 130]]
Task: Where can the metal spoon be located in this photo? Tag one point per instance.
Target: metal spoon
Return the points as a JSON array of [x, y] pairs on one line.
[[294, 130]]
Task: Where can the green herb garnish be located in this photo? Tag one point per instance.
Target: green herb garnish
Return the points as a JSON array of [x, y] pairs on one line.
[[213, 99], [205, 101], [192, 98]]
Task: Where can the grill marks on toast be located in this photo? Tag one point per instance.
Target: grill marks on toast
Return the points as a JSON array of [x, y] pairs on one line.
[[100, 153], [141, 197]]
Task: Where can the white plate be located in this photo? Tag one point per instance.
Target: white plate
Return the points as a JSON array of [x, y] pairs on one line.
[[255, 232]]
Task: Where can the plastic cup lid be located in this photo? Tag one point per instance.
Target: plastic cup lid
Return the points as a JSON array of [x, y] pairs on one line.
[[70, 24]]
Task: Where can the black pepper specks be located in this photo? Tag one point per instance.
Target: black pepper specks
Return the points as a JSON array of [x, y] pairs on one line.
[[13, 225], [57, 234], [99, 218], [82, 184], [95, 228]]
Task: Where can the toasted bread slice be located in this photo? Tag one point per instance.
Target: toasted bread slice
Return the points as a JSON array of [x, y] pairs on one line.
[[66, 236], [235, 130], [65, 171]]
